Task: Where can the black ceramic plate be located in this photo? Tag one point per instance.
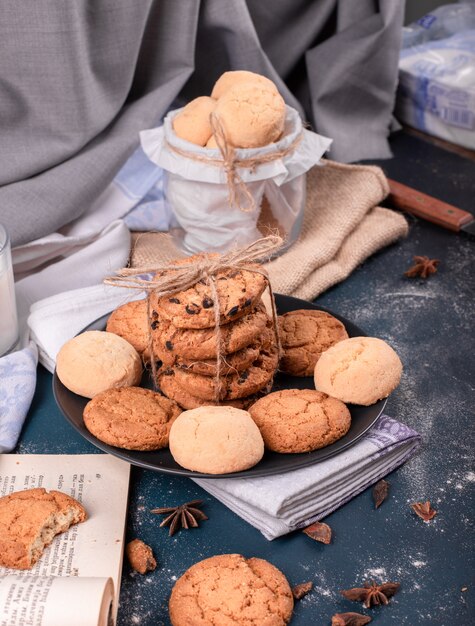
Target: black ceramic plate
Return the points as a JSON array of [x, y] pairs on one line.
[[362, 418]]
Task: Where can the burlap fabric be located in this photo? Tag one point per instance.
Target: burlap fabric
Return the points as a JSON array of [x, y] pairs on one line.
[[343, 225]]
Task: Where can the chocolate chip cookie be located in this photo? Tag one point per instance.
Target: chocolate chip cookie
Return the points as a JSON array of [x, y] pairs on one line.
[[305, 334], [169, 387], [171, 342], [234, 386], [238, 293]]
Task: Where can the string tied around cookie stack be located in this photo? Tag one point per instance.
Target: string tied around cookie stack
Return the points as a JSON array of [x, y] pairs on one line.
[[173, 278], [237, 188]]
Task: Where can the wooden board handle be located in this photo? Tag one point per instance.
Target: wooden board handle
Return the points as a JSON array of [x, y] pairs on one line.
[[429, 208]]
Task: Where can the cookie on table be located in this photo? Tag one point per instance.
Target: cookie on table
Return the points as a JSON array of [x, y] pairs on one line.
[[29, 521], [230, 589], [169, 387], [216, 440], [304, 335], [170, 342], [140, 556], [130, 321], [97, 360], [300, 420], [360, 370], [131, 417], [233, 386], [238, 291]]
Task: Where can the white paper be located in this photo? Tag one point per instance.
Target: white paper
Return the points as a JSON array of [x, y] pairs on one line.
[[92, 549]]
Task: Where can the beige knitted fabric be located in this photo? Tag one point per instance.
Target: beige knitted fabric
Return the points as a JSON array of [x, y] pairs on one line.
[[343, 225]]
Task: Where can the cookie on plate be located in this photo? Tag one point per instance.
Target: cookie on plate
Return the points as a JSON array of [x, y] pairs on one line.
[[230, 589], [233, 386], [230, 363], [169, 387], [130, 322], [360, 370], [304, 335], [216, 440], [300, 420], [238, 291], [131, 417], [29, 521], [97, 360], [233, 362], [171, 343]]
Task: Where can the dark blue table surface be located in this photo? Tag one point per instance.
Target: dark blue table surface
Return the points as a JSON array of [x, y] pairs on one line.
[[430, 324]]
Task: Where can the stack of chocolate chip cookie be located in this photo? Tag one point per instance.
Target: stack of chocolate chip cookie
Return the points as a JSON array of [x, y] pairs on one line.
[[185, 340]]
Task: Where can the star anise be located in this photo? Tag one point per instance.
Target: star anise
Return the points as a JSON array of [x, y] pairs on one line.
[[185, 516], [371, 594], [423, 267], [424, 510]]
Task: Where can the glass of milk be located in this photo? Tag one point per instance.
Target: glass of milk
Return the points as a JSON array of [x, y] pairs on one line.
[[8, 314]]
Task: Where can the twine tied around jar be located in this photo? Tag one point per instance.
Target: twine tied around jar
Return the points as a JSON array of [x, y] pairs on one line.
[[174, 278], [237, 188]]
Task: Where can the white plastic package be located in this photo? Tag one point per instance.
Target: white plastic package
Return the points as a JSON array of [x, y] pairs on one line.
[[198, 191], [436, 92]]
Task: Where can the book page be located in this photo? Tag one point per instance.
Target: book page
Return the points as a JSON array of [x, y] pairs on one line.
[[55, 601], [100, 482]]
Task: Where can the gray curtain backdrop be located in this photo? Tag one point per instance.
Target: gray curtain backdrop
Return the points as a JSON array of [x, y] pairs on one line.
[[80, 78]]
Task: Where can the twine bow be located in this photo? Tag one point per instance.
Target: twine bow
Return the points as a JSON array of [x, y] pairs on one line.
[[237, 188], [173, 278]]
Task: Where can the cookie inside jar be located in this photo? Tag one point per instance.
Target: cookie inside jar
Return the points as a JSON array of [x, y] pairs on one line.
[[245, 179]]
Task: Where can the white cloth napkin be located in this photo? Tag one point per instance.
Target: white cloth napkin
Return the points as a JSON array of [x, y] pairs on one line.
[[72, 263], [279, 504]]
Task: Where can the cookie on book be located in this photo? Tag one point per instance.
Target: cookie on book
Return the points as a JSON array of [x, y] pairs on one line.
[[230, 589], [169, 387], [131, 417], [304, 335], [300, 420], [171, 343], [216, 440], [360, 370], [130, 322], [238, 292], [97, 360], [29, 521]]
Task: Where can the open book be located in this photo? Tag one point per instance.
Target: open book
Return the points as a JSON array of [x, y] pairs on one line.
[[77, 580]]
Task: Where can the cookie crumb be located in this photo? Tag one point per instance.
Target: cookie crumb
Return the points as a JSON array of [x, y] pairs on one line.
[[140, 556]]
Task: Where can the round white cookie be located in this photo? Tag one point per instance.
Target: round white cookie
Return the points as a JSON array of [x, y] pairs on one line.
[[216, 440], [97, 360], [360, 370]]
